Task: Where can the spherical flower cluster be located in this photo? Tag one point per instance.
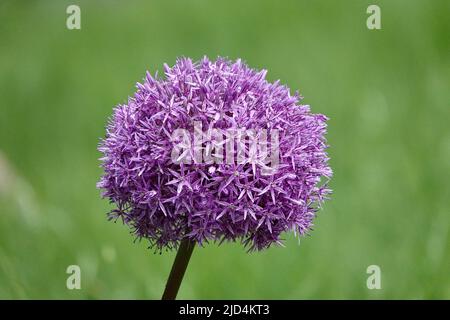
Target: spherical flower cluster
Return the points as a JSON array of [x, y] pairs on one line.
[[165, 201]]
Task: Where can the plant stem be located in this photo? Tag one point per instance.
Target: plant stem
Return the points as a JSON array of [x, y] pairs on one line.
[[178, 269]]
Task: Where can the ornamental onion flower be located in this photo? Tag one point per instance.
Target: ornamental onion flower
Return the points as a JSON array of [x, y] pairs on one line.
[[203, 195]]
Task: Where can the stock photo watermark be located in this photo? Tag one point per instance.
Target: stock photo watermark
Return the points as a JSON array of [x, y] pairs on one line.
[[373, 22], [73, 21], [374, 280], [233, 146], [73, 281]]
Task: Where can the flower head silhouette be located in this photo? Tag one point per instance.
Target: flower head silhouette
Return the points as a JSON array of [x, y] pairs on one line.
[[166, 200]]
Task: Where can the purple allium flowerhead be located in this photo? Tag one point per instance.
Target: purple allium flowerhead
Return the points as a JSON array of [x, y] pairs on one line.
[[215, 197]]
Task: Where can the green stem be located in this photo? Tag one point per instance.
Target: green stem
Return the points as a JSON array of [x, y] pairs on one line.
[[178, 269]]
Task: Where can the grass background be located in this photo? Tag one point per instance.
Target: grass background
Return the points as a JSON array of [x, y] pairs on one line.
[[386, 92]]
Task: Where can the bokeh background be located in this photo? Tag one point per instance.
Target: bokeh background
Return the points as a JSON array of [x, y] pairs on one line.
[[386, 92]]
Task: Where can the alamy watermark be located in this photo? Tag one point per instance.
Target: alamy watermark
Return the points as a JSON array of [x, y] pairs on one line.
[[374, 20], [374, 280], [74, 279], [73, 21], [256, 147]]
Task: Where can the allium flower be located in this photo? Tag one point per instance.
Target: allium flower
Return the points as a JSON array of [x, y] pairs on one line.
[[165, 201]]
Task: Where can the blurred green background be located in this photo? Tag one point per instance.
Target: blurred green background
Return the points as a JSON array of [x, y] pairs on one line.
[[386, 92]]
